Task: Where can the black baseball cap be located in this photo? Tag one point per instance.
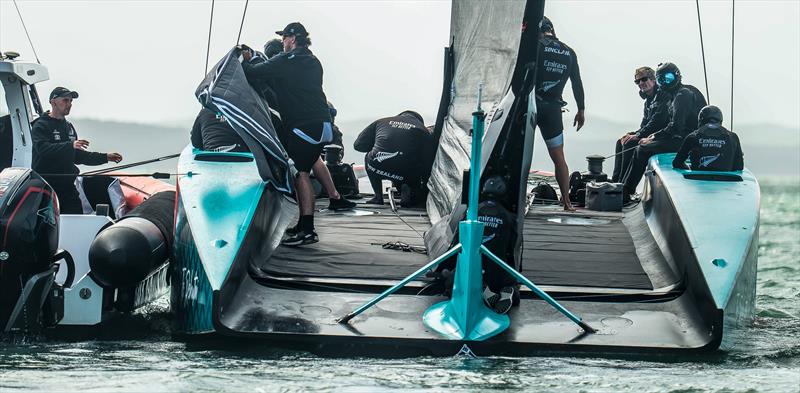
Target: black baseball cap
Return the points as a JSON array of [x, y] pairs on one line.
[[60, 92], [294, 28]]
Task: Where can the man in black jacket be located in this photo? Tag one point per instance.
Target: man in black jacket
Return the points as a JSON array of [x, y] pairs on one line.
[[682, 112], [397, 150], [712, 147], [557, 63], [57, 149], [655, 117], [296, 77]]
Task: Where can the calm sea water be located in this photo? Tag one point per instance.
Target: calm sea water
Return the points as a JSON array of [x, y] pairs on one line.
[[768, 360]]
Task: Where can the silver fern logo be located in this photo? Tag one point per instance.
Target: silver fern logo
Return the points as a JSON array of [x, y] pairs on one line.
[[383, 156], [707, 160]]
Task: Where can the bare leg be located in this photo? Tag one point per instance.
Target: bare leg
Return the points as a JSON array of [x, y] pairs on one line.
[[562, 175], [305, 194], [324, 176]]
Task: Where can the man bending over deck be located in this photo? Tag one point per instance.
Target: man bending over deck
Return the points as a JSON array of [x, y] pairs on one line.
[[557, 63], [655, 118], [213, 133], [711, 147], [296, 77], [56, 150], [682, 112], [397, 150]]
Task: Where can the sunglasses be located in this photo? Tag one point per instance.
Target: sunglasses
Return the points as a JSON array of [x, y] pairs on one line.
[[640, 80]]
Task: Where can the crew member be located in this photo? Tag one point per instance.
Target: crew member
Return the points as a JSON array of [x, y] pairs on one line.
[[557, 63], [396, 150], [682, 112], [655, 118], [296, 77], [499, 236], [57, 150], [212, 132], [711, 147]]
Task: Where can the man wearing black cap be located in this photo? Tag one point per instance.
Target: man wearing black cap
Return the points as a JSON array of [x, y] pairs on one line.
[[57, 150], [296, 77]]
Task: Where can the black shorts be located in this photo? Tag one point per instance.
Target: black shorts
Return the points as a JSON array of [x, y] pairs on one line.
[[304, 144], [550, 123]]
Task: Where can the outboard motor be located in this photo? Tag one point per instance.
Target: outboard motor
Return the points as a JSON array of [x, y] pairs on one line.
[[578, 180], [29, 255], [344, 178], [125, 253]]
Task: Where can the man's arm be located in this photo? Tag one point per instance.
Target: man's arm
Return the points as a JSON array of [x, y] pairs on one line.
[[47, 150], [659, 116], [577, 83], [84, 157], [683, 153], [366, 139], [738, 158], [196, 135], [271, 68], [680, 111]]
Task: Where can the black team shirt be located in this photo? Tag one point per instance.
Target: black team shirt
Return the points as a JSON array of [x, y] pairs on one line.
[[711, 148], [557, 63]]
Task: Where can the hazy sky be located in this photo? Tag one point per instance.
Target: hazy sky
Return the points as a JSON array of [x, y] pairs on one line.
[[142, 60]]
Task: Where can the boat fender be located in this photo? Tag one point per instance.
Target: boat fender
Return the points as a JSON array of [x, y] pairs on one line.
[[126, 252]]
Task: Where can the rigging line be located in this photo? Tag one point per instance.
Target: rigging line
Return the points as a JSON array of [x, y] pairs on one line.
[[131, 165], [733, 43], [244, 13], [26, 32], [703, 50], [208, 44]]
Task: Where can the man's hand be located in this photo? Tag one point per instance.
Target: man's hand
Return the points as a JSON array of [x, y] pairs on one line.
[[116, 157], [80, 144], [647, 140], [247, 53], [631, 137], [579, 120]]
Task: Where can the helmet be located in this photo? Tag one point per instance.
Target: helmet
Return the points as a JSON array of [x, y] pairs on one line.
[[273, 47], [668, 75], [546, 25], [709, 114], [494, 186], [413, 114]]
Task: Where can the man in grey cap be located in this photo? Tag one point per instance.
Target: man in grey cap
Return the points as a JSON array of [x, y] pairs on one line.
[[57, 150]]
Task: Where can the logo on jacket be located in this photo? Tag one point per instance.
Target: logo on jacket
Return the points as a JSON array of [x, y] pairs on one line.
[[383, 156], [56, 135], [707, 160]]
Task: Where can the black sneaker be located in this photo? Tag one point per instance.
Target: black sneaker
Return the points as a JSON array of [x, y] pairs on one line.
[[291, 231], [506, 299], [340, 204], [301, 238], [490, 298], [375, 201]]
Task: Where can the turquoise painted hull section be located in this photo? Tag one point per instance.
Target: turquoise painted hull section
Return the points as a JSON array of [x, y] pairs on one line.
[[218, 195], [720, 220]]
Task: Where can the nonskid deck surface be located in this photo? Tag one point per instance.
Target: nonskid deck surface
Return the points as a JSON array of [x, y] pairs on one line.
[[352, 245], [584, 249]]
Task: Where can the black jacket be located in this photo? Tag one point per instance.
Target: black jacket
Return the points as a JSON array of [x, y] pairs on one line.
[[557, 63], [682, 111], [296, 78], [212, 133], [53, 151], [656, 113], [405, 134], [711, 148]]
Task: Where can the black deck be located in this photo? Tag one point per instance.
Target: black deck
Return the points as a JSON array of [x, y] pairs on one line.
[[581, 250], [574, 250]]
